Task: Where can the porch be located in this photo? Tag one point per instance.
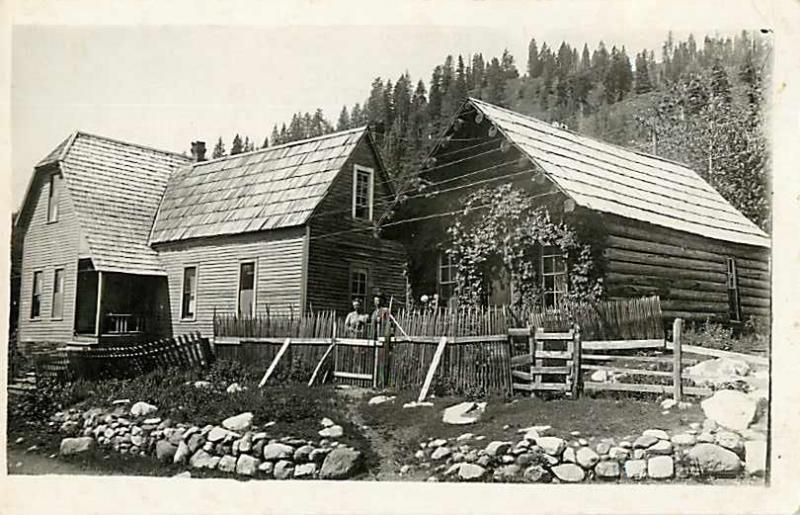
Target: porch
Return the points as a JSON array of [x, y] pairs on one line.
[[113, 307]]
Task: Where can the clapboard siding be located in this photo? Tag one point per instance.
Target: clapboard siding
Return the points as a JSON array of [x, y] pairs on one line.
[[279, 273], [332, 252], [45, 247], [688, 272]]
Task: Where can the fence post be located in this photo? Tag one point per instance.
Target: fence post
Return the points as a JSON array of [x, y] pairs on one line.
[[677, 329], [577, 377]]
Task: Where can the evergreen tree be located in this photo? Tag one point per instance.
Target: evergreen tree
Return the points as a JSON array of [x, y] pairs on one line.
[[246, 147], [720, 86], [388, 105], [357, 116], [495, 82], [586, 61], [284, 136], [344, 120], [643, 84], [219, 149], [265, 144], [435, 97], [478, 73], [509, 70], [534, 66], [375, 106], [401, 99], [237, 147], [276, 139]]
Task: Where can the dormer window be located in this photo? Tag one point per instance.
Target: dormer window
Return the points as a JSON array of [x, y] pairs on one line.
[[52, 198], [363, 186]]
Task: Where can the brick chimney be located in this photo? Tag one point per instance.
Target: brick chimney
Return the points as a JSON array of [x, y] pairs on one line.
[[199, 151]]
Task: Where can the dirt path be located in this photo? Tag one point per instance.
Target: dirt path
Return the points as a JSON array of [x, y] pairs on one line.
[[31, 463]]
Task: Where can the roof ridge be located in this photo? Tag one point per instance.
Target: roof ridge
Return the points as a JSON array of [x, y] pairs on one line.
[[282, 145], [79, 133]]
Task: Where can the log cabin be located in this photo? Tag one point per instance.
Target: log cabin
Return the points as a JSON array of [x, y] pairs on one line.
[[123, 243], [655, 227]]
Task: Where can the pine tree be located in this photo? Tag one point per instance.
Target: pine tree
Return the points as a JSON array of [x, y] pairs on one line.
[[375, 107], [265, 144], [495, 82], [435, 97], [586, 61], [643, 84], [388, 105], [509, 70], [237, 147], [276, 139], [246, 146], [478, 73], [357, 116], [343, 123], [720, 86], [534, 66], [219, 149]]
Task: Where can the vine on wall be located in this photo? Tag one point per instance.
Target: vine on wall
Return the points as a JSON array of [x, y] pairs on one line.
[[498, 232]]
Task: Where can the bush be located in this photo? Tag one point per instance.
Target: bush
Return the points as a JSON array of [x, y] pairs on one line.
[[753, 336]]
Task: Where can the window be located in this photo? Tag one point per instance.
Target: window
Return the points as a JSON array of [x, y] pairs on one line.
[[57, 310], [36, 295], [52, 198], [446, 276], [362, 192], [734, 308], [189, 292], [247, 288], [358, 285], [553, 269]]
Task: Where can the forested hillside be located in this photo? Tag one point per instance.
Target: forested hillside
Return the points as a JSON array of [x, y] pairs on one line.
[[701, 104]]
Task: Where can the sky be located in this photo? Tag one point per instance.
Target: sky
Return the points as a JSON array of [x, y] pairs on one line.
[[165, 86]]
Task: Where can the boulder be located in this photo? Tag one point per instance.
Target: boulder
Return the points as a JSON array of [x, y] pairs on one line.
[[706, 438], [239, 423], [437, 443], [607, 470], [227, 464], [730, 408], [507, 472], [644, 441], [80, 445], [201, 459], [569, 455], [380, 399], [195, 442], [718, 372], [464, 437], [668, 403], [183, 475], [532, 435], [755, 457], [142, 409], [284, 469], [635, 469], [661, 447], [619, 453], [660, 467], [247, 465], [202, 384], [656, 433], [278, 451], [165, 451], [568, 473], [181, 453], [551, 445], [536, 474], [496, 448], [234, 388], [603, 448], [326, 422], [266, 467], [586, 457], [341, 463], [463, 413], [471, 472], [683, 439], [599, 376], [334, 431], [318, 455], [218, 434], [305, 470], [301, 455], [441, 453], [730, 440], [713, 460]]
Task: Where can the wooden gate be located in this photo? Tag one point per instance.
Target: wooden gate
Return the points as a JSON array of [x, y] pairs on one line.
[[552, 361]]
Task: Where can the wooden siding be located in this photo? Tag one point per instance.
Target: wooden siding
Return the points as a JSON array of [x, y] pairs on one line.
[[687, 271], [45, 247], [331, 258], [279, 256]]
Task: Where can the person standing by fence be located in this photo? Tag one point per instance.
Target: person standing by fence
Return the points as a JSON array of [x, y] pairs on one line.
[[355, 321]]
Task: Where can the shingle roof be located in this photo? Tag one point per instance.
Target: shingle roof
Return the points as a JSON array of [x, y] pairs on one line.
[[267, 189], [116, 188], [616, 180]]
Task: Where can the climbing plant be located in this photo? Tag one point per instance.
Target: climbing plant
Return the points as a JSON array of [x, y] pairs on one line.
[[499, 231]]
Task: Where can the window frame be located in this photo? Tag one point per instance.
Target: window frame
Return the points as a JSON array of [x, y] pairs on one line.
[[558, 295], [193, 316], [53, 197], [36, 280], [359, 268], [370, 192], [242, 262], [453, 269], [53, 314], [732, 288]]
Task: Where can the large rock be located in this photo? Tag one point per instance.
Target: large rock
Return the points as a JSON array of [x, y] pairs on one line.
[[496, 448], [607, 470], [181, 453], [661, 447], [636, 469], [218, 434], [471, 472], [165, 451], [239, 423], [586, 457], [683, 439], [247, 465], [303, 453], [306, 470], [335, 431], [730, 441], [278, 451], [644, 441], [660, 467], [657, 433], [718, 372], [755, 457], [284, 469], [80, 445], [507, 472], [227, 464], [731, 409], [201, 459], [713, 460], [552, 445], [536, 474], [142, 409], [441, 453], [341, 463], [380, 399], [463, 413], [569, 473]]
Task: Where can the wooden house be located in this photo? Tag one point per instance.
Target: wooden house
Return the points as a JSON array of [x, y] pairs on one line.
[[122, 242], [87, 272], [282, 229], [655, 226]]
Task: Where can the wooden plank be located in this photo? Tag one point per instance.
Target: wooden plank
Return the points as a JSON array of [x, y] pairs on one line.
[[352, 375], [623, 345], [552, 354], [275, 361], [357, 342], [631, 371], [552, 370], [555, 336], [521, 360], [519, 374], [693, 349], [519, 331], [677, 328], [556, 387], [320, 362], [577, 377], [432, 369], [644, 388], [641, 359]]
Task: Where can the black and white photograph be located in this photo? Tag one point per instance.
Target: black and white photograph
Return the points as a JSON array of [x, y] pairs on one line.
[[522, 255]]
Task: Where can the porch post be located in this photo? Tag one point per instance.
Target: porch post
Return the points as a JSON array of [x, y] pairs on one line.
[[98, 315]]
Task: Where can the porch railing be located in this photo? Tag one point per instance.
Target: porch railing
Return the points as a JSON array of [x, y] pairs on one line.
[[124, 323]]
